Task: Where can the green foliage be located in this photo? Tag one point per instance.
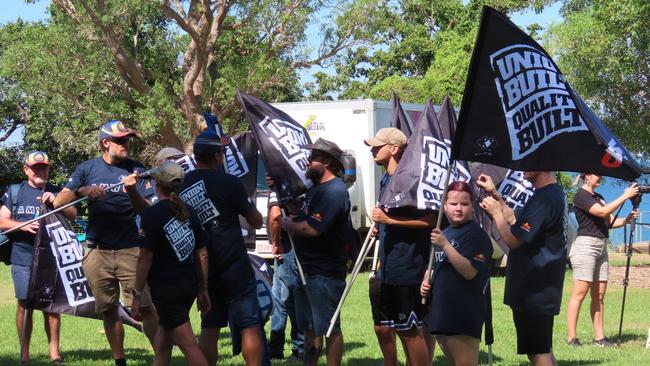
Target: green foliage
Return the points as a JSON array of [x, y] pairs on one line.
[[603, 48], [423, 50]]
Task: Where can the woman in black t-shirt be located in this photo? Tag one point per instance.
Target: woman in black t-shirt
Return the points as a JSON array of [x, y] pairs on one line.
[[588, 253], [461, 274], [170, 252]]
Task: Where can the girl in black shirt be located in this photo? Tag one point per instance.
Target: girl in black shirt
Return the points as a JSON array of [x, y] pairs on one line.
[[170, 249], [461, 272], [588, 253]]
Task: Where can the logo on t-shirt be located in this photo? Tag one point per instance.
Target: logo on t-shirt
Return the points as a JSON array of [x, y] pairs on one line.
[[526, 226], [317, 216], [479, 257], [181, 237], [197, 197]]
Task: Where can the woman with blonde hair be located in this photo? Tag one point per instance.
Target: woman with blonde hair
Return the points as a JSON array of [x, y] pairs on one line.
[[588, 254]]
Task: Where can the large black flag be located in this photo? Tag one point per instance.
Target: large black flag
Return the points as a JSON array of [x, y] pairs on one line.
[[420, 176], [519, 112], [282, 143], [399, 119], [58, 283]]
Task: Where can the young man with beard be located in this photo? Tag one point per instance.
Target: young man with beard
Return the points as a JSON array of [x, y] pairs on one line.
[[322, 231], [537, 237], [404, 251], [218, 199], [113, 242], [22, 202]]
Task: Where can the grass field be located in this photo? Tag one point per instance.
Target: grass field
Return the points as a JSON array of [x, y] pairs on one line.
[[83, 342]]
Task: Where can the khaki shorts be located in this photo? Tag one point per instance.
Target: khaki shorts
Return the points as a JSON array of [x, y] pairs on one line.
[[589, 259], [107, 271]]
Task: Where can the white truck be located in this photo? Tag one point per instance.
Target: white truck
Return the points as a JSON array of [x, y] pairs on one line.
[[348, 123]]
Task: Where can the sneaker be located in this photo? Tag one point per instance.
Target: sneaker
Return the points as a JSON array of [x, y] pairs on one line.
[[604, 342], [574, 342]]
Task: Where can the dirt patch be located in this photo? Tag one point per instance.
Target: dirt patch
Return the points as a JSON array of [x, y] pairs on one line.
[[639, 276]]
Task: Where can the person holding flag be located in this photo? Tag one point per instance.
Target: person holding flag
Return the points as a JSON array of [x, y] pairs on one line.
[[322, 233], [22, 202], [537, 237], [218, 199], [461, 275], [112, 236], [404, 237]]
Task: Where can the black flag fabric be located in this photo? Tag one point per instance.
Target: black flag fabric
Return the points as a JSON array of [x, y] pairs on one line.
[[58, 283], [244, 154], [282, 143], [448, 122], [420, 176], [399, 119], [519, 112], [511, 185]]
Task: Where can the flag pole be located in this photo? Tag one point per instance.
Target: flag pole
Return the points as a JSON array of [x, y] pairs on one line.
[[295, 254], [355, 271], [438, 224], [375, 261], [4, 239]]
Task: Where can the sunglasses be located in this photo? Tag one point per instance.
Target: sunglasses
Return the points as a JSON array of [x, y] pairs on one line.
[[120, 140]]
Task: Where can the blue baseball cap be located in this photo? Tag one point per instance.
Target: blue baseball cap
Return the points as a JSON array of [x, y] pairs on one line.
[[116, 129], [207, 143]]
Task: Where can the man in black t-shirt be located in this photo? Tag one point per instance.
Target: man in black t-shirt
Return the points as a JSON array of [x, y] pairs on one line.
[[112, 235], [537, 237], [404, 251], [218, 199], [29, 196], [322, 232]]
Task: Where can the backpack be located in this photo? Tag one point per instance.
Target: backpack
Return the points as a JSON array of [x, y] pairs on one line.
[[5, 250]]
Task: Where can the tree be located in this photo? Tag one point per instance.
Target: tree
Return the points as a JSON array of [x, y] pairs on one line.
[[603, 48], [158, 65], [424, 51]]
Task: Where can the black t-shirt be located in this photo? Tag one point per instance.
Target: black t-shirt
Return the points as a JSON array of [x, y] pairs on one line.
[[459, 305], [173, 243], [535, 272], [589, 224], [284, 237], [326, 208], [218, 199], [27, 207], [111, 220]]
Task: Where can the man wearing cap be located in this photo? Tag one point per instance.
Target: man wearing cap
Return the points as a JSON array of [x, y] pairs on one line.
[[322, 232], [112, 236], [404, 251], [22, 202], [218, 199]]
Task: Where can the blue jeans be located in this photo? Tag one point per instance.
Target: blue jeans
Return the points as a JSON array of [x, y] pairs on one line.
[[317, 302], [285, 280]]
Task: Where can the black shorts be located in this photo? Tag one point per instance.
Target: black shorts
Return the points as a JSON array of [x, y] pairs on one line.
[[173, 302], [374, 292], [534, 333], [401, 307]]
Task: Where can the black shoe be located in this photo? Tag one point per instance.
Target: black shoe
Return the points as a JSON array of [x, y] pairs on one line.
[[603, 342], [574, 342], [296, 357], [276, 356]]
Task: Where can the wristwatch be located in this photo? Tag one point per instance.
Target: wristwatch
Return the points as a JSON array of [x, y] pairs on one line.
[[136, 293]]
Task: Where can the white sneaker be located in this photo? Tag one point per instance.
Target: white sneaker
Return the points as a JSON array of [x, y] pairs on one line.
[[647, 343]]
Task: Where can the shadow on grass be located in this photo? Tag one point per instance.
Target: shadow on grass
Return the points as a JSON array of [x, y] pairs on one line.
[[440, 360], [133, 355], [568, 362], [629, 338]]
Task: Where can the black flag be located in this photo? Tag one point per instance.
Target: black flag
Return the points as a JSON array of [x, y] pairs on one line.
[[420, 176], [448, 122], [399, 119], [519, 112], [58, 283], [282, 142], [245, 150]]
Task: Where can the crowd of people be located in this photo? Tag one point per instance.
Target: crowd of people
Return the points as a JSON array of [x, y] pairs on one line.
[[162, 242]]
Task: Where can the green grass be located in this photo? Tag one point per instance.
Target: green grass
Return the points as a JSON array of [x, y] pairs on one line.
[[83, 342], [620, 259]]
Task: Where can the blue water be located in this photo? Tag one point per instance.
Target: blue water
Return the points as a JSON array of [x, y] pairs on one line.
[[611, 188]]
